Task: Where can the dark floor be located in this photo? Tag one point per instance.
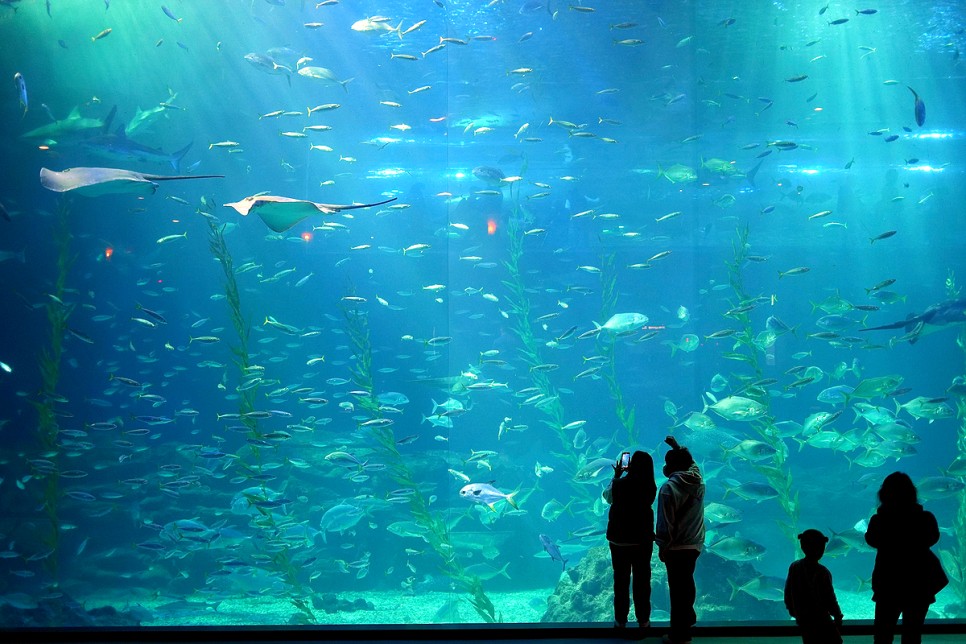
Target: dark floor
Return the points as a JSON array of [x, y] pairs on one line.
[[941, 633]]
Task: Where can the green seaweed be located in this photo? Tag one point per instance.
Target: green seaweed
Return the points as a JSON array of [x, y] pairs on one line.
[[609, 293], [49, 362], [281, 561], [748, 352], [519, 303], [216, 242], [436, 531], [955, 560]]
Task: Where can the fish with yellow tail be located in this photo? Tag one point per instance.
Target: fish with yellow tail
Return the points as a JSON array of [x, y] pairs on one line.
[[486, 494]]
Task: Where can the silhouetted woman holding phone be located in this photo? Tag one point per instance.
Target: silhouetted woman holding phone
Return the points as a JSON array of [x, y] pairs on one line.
[[630, 531], [907, 574]]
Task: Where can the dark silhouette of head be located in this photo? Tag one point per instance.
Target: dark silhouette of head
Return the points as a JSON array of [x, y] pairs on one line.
[[679, 459], [813, 543], [898, 490], [641, 465]]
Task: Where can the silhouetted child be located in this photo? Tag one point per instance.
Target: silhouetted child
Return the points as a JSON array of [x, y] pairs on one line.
[[809, 596]]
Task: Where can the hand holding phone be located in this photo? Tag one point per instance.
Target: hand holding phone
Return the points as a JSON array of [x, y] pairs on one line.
[[625, 461]]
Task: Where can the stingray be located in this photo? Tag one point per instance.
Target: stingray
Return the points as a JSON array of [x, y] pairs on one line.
[[94, 182], [950, 313], [281, 213]]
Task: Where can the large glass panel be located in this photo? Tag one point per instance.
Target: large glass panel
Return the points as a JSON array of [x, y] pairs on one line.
[[737, 223]]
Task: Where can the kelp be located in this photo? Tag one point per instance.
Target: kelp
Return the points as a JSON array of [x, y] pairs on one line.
[[49, 363], [218, 247], [519, 304], [436, 531], [281, 561], [746, 351], [954, 560], [608, 306]]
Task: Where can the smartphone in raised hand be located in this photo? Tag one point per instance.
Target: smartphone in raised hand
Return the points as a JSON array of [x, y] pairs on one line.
[[625, 461]]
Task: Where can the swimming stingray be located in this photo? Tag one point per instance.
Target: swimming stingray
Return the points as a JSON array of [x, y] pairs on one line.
[[94, 182], [934, 318], [281, 213]]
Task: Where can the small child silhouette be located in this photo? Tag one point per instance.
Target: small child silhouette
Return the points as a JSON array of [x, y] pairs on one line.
[[809, 596]]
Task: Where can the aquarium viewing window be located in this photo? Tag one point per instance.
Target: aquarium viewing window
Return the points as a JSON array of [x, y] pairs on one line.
[[340, 313]]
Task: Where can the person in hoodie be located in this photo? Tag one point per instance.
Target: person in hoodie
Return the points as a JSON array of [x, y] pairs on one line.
[[630, 531], [907, 574], [680, 535]]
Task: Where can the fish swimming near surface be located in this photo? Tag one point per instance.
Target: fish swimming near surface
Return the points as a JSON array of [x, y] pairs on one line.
[[281, 213], [934, 318], [920, 108], [94, 182]]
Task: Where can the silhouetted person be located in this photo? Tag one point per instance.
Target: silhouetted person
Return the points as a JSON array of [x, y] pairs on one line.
[[680, 535], [907, 575], [630, 531], [809, 595]]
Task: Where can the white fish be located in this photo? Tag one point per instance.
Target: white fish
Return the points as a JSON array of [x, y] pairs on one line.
[[622, 322]]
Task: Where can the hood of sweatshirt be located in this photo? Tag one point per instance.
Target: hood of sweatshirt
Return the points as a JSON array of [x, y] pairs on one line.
[[687, 483]]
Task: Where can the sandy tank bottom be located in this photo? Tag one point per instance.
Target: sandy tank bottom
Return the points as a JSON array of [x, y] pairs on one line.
[[526, 606]]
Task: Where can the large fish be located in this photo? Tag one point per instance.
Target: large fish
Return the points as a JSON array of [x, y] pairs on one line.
[[21, 91], [281, 213], [73, 128], [143, 119], [920, 108], [553, 550], [623, 322], [118, 147], [934, 318], [486, 494], [268, 65], [323, 74]]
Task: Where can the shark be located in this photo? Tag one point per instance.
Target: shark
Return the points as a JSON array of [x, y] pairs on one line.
[[144, 119], [934, 318], [95, 182], [118, 147], [281, 213], [73, 128]]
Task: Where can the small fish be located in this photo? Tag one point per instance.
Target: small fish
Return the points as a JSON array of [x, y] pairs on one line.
[[103, 34], [793, 271], [204, 339], [840, 21], [885, 235], [168, 13], [168, 238]]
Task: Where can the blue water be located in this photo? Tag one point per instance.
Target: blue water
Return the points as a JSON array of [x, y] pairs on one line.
[[551, 167]]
